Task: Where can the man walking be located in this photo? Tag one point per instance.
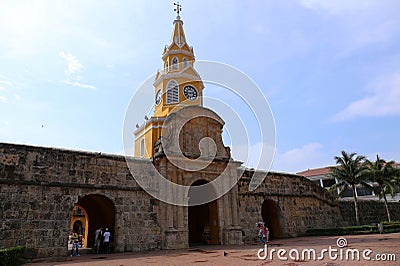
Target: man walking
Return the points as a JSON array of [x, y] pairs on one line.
[[97, 239], [106, 241]]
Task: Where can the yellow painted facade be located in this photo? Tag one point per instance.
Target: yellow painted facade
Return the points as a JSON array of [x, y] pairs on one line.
[[79, 214], [177, 85]]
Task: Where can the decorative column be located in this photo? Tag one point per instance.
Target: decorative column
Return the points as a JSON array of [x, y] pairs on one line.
[[234, 202], [232, 230]]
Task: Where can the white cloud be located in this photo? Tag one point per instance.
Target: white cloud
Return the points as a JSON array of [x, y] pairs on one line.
[[3, 99], [361, 35], [337, 6], [73, 70], [81, 85], [73, 63], [259, 155], [384, 100], [5, 82], [298, 159]]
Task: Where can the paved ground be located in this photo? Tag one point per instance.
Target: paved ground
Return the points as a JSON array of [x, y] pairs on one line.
[[381, 246]]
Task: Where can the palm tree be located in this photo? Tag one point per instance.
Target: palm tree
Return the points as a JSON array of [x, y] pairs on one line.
[[349, 172], [385, 174]]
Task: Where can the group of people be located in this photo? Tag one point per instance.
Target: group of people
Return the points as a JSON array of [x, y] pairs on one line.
[[102, 240], [103, 237]]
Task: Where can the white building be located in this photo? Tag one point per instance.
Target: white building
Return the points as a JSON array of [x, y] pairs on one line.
[[322, 177]]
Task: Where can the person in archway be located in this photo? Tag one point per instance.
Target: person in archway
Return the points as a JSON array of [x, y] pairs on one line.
[[97, 239], [75, 243], [266, 233], [207, 238], [263, 233], [106, 240]]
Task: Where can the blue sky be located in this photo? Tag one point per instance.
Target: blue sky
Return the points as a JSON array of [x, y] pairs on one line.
[[329, 69]]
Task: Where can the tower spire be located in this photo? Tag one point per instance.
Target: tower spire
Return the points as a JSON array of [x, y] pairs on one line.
[[176, 86], [178, 8]]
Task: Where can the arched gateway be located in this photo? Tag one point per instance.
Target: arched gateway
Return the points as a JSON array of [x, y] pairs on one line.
[[219, 217], [270, 215], [100, 212], [203, 221]]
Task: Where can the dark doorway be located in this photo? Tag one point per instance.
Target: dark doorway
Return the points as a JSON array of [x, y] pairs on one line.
[[78, 228], [270, 215], [203, 220], [101, 213]]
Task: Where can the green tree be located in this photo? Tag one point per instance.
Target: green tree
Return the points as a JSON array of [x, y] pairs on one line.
[[349, 171], [385, 175]]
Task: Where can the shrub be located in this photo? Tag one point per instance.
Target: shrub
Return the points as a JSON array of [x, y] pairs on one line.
[[355, 230], [12, 256]]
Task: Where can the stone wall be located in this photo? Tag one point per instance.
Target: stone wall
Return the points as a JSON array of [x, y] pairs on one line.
[[300, 205], [39, 187], [370, 211]]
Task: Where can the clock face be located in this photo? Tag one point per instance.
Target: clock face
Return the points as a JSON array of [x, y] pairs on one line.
[[190, 93], [158, 97]]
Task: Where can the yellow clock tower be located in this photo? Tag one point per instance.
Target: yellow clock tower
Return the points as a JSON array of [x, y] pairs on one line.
[[177, 85]]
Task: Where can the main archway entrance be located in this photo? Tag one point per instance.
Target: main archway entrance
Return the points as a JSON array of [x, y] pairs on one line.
[[270, 215], [203, 221], [100, 212]]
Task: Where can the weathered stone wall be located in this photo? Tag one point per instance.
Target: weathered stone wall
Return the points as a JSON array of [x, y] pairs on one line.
[[370, 211], [301, 204], [39, 187]]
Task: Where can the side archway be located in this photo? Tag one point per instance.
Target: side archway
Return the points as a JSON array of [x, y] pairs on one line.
[[100, 213], [271, 217]]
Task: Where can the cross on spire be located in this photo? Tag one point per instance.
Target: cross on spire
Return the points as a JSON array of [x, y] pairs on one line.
[[178, 8]]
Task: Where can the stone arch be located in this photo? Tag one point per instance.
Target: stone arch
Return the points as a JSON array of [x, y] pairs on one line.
[[270, 214], [80, 222], [203, 219], [101, 213]]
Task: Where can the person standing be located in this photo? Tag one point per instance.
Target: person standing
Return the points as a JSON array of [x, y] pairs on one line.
[[106, 241], [97, 239], [263, 233], [266, 233], [75, 243]]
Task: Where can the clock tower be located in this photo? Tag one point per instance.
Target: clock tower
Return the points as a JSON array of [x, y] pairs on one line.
[[177, 85]]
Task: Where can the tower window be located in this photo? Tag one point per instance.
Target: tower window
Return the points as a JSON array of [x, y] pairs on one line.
[[142, 148], [185, 62], [172, 92], [175, 63], [166, 65]]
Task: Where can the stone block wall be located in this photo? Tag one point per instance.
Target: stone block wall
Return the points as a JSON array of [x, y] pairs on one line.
[[301, 205], [370, 211], [39, 187], [32, 216]]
